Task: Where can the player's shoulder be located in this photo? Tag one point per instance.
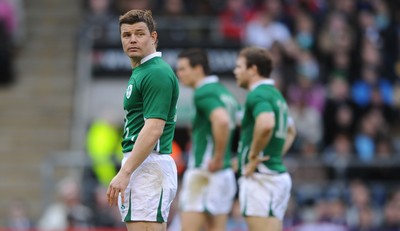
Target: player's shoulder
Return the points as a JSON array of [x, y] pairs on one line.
[[207, 90], [159, 66], [159, 71], [258, 95]]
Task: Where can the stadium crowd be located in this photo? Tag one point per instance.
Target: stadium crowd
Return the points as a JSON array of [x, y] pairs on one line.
[[338, 64]]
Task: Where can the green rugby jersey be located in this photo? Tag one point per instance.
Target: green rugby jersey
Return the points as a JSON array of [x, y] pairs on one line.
[[210, 95], [152, 92], [264, 97]]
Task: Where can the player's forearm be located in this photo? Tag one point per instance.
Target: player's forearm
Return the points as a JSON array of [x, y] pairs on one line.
[[263, 129], [220, 130], [221, 134], [259, 142], [291, 135], [144, 145]]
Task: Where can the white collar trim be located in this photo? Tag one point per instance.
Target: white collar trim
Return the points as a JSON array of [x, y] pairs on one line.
[[261, 82], [150, 56], [207, 80]]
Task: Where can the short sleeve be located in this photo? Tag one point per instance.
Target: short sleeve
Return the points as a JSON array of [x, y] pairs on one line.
[[260, 105], [207, 104], [157, 91]]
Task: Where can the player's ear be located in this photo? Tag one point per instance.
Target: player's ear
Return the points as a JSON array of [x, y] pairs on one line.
[[253, 69], [154, 37]]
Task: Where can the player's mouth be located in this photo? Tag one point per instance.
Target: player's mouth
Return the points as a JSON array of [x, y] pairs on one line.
[[133, 49]]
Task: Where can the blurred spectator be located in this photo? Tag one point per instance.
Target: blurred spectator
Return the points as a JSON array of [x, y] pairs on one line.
[[284, 68], [173, 8], [337, 210], [103, 145], [339, 153], [18, 217], [391, 44], [280, 11], [391, 219], [367, 23], [304, 31], [363, 89], [263, 31], [346, 7], [338, 114], [68, 212], [378, 104], [322, 220], [124, 6], [233, 20], [370, 55], [308, 150], [308, 66], [341, 64], [365, 221], [100, 24], [307, 120], [104, 150], [306, 85], [364, 140], [359, 200], [384, 148], [335, 35]]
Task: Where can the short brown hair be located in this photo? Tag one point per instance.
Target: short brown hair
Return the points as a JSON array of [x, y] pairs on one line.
[[260, 58], [196, 57], [135, 16]]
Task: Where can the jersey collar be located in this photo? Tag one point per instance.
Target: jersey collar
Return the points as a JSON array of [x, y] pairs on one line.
[[207, 80], [261, 82], [150, 56]]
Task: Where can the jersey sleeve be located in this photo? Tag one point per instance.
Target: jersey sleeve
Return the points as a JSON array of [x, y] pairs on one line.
[[260, 105], [157, 91], [207, 103]]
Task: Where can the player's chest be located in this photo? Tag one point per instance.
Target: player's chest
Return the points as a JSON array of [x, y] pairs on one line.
[[133, 96]]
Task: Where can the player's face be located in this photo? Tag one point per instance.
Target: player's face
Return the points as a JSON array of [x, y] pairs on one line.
[[185, 72], [137, 41], [241, 73]]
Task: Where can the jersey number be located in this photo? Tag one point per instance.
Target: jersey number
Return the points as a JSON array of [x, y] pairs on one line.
[[282, 123]]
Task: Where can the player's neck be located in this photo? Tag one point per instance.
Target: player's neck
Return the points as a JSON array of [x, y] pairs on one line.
[[199, 81], [135, 62]]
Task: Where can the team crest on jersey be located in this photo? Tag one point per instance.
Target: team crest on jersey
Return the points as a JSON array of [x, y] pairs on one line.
[[129, 91]]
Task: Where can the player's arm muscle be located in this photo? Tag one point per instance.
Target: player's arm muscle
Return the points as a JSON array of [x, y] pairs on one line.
[[263, 129], [291, 135], [220, 130], [145, 142]]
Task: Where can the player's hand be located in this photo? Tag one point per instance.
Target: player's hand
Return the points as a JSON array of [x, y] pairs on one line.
[[235, 164], [215, 164], [252, 165], [117, 185]]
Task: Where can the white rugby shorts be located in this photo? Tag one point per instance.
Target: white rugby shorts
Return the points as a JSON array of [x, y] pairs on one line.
[[265, 195], [151, 190], [203, 191]]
